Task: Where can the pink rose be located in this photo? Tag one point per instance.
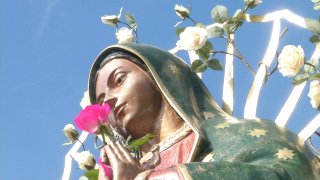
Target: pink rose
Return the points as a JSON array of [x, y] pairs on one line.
[[92, 117]]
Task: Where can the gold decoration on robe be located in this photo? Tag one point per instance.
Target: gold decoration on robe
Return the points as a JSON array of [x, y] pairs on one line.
[[208, 115], [285, 154], [222, 125], [174, 69], [257, 132]]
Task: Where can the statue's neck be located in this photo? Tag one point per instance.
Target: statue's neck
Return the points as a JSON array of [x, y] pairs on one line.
[[168, 122]]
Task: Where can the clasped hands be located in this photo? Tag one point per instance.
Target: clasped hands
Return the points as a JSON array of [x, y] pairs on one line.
[[124, 166]]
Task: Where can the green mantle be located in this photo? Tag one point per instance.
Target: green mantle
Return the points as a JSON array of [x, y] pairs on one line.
[[233, 149]]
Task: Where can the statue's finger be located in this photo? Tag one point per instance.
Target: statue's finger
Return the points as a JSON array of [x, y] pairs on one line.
[[117, 151], [112, 156], [103, 155], [126, 153]]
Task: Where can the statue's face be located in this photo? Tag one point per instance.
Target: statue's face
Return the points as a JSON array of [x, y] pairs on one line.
[[131, 92]]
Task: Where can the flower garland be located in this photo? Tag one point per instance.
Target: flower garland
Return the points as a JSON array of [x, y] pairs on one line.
[[292, 63], [195, 39]]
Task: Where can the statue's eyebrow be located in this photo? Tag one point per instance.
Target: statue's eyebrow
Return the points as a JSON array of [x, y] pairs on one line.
[[102, 95], [111, 76]]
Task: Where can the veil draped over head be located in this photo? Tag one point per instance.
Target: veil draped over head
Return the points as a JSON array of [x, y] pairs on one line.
[[182, 88], [224, 147]]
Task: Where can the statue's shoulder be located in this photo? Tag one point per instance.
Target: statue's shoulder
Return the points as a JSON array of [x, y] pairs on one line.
[[227, 124], [225, 132], [257, 141]]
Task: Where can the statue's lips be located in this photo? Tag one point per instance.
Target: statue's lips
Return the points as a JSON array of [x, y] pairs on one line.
[[119, 109]]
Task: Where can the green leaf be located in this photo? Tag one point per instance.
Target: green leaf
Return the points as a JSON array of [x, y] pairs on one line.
[[314, 39], [215, 32], [67, 143], [215, 64], [178, 23], [310, 69], [92, 174], [139, 142], [234, 24], [316, 6], [315, 77], [198, 66], [313, 25], [226, 29], [315, 1], [205, 51], [180, 30], [238, 14], [131, 21], [300, 78], [219, 13]]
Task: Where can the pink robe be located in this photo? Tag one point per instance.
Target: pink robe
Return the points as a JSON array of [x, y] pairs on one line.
[[174, 155]]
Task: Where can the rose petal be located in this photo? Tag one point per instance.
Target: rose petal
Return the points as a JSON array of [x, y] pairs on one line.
[[106, 168], [89, 123], [88, 119], [93, 108], [104, 113]]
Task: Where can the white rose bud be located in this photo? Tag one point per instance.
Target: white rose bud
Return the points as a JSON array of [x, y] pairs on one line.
[[124, 35], [252, 3], [110, 20], [70, 132], [85, 160], [291, 60], [85, 100], [192, 38], [314, 93], [181, 11]]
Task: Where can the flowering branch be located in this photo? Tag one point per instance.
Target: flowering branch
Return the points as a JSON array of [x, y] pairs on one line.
[[277, 56], [81, 144], [313, 66], [124, 35], [194, 22], [135, 30], [239, 57]]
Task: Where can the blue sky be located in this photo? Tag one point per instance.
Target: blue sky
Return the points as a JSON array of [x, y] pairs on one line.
[[47, 47]]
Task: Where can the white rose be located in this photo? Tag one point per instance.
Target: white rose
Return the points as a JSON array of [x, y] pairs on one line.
[[291, 60], [192, 38], [181, 11], [314, 93], [70, 132], [85, 160], [85, 100], [124, 35]]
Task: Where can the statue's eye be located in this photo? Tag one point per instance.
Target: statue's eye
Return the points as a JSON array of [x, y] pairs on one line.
[[120, 77]]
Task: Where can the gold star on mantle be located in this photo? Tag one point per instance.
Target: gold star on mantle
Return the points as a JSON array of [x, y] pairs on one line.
[[222, 125], [174, 69], [257, 132], [208, 115], [285, 154]]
